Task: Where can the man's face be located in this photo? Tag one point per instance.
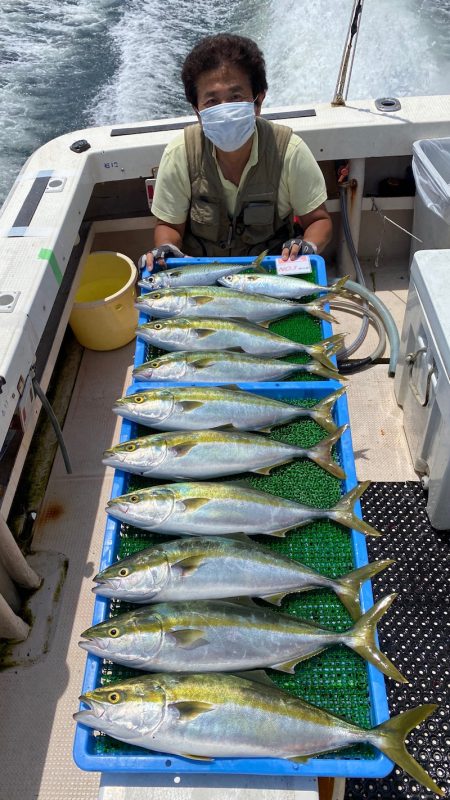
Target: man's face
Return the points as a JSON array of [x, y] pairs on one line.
[[226, 84]]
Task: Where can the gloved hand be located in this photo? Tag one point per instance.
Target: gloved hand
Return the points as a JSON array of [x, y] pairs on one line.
[[297, 247], [158, 254]]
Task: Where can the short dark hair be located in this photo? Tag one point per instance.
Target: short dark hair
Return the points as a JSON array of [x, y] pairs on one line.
[[213, 51]]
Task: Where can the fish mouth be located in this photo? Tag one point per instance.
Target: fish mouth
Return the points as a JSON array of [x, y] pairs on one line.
[[93, 644], [94, 709], [120, 508]]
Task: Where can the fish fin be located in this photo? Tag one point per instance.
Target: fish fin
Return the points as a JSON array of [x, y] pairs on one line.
[[201, 299], [203, 361], [275, 599], [389, 737], [266, 323], [176, 273], [257, 264], [194, 503], [321, 453], [257, 676], [233, 386], [196, 758], [248, 602], [241, 537], [361, 639], [182, 449], [287, 666], [298, 759], [190, 709], [266, 430], [202, 333], [281, 533], [315, 309], [188, 565], [235, 350], [267, 470], [190, 405], [321, 412], [347, 588], [188, 638], [338, 285], [344, 514]]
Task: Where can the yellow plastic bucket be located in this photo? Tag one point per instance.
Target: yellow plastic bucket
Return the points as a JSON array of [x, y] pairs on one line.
[[103, 316]]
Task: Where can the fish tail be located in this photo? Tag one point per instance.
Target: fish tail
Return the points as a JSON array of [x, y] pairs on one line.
[[320, 369], [334, 343], [321, 453], [257, 263], [347, 588], [315, 309], [344, 514], [361, 639], [338, 285], [390, 737], [321, 413], [320, 353]]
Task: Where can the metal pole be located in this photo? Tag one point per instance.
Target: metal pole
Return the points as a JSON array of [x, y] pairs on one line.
[[11, 626], [14, 561], [348, 55]]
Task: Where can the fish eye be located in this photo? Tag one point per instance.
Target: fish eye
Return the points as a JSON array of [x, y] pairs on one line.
[[155, 364], [130, 447], [123, 572], [134, 498], [156, 295], [114, 697], [157, 326], [113, 632], [139, 399]]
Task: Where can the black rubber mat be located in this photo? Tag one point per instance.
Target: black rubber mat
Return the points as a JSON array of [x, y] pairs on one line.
[[415, 632]]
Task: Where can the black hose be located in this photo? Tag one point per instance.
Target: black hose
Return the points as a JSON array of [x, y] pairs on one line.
[[55, 423]]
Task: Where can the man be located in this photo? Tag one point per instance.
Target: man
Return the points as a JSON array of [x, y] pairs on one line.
[[232, 184]]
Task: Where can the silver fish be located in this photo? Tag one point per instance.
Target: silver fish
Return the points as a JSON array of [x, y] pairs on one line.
[[217, 567], [227, 636], [223, 366], [216, 301], [196, 274], [213, 715], [195, 408], [210, 333], [286, 287], [223, 508], [194, 455]]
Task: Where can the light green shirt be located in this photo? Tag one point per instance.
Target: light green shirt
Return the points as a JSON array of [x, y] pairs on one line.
[[302, 186]]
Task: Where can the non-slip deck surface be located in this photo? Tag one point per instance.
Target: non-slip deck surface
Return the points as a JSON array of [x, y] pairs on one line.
[[415, 634]]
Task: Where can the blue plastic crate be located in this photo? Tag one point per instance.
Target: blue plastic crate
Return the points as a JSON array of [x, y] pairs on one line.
[[85, 754], [318, 271]]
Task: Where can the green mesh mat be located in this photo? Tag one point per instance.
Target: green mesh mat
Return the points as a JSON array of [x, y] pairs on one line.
[[337, 678]]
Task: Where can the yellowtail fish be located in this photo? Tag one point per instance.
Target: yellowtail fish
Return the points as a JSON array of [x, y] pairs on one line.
[[227, 636], [286, 287], [208, 333], [196, 274], [223, 366], [195, 408], [213, 715], [223, 508], [217, 301], [212, 454], [218, 567]]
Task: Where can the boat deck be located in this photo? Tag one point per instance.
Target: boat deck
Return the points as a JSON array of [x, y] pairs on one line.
[[38, 699]]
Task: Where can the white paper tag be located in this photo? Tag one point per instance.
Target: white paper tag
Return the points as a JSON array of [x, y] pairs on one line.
[[301, 265]]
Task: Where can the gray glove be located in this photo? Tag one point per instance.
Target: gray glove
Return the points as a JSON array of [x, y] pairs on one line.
[[163, 252], [304, 248]]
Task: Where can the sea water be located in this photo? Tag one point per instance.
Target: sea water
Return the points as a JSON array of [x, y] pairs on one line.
[[78, 63]]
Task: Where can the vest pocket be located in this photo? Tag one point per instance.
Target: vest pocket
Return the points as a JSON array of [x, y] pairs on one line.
[[258, 214], [205, 219]]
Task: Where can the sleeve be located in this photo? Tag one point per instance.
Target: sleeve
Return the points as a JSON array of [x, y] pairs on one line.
[[172, 197], [302, 181]]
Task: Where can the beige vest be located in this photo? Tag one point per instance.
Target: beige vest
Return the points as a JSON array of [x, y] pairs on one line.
[[256, 225]]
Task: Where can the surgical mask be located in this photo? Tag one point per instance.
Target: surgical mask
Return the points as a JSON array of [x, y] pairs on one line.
[[228, 125]]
